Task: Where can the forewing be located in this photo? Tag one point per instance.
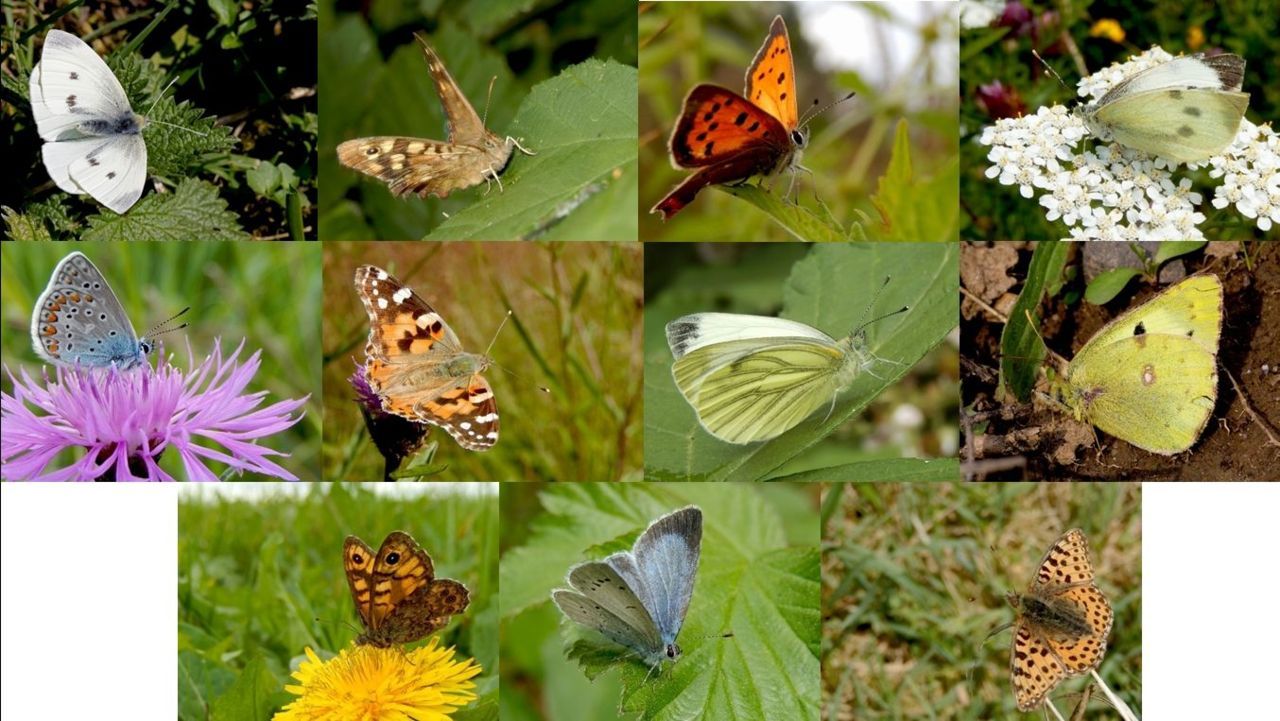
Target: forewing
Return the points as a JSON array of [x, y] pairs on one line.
[[357, 562], [1219, 72], [691, 332], [465, 126], [401, 322], [111, 168], [753, 390], [401, 568], [771, 77], [1033, 668], [601, 584], [1065, 564], [583, 610], [666, 558], [718, 124], [1194, 124], [71, 84], [421, 167], [77, 316], [1154, 391], [1078, 654], [1191, 308]]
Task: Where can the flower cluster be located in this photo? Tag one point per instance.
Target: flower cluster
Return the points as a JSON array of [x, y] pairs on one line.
[[1115, 193], [123, 421]]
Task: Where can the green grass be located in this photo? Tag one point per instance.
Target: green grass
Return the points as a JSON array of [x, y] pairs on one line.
[[914, 579], [260, 578], [575, 310], [264, 294]]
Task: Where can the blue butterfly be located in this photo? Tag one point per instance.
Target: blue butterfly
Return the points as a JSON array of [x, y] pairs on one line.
[[79, 321], [639, 598]]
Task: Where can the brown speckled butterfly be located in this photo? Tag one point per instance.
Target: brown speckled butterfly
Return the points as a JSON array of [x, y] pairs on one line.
[[396, 593], [431, 167]]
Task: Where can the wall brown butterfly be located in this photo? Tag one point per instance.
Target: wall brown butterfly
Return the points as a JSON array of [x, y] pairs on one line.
[[727, 138], [396, 593], [431, 167]]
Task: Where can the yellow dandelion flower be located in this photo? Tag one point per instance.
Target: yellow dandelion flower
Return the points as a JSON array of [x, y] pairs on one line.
[[1109, 29], [381, 684]]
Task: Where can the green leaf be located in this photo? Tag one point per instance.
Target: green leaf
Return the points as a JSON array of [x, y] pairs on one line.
[[818, 292], [1107, 285], [753, 585], [582, 125], [193, 211], [800, 222], [1021, 348], [254, 695], [888, 469], [1174, 248], [917, 209]]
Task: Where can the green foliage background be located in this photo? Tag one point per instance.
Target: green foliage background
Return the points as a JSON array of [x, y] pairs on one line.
[[829, 287], [266, 294], [1249, 28], [260, 578], [234, 64], [914, 579], [757, 578], [565, 85], [909, 120], [574, 330]]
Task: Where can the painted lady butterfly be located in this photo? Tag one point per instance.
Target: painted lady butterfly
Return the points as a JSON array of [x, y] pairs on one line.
[[416, 365]]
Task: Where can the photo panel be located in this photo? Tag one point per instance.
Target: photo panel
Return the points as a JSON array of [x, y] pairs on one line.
[[824, 121], [161, 361], [424, 380], [786, 361], [478, 121], [160, 121], [1118, 362], [715, 588]]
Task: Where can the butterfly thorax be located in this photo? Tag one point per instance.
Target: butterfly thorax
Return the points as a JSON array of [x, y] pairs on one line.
[[124, 124], [1056, 615], [857, 358]]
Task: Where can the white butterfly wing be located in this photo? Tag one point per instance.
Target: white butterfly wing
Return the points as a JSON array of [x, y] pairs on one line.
[[1220, 72], [111, 169], [71, 85], [691, 332]]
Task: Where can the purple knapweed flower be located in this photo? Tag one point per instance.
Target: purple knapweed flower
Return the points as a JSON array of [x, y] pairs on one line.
[[125, 420]]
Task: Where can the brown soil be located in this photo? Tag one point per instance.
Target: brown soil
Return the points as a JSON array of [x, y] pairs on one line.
[[1036, 441]]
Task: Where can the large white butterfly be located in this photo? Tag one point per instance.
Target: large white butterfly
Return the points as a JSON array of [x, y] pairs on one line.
[[752, 378], [93, 139]]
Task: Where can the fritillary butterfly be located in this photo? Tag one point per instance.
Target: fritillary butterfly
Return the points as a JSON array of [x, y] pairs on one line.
[[1063, 622], [727, 137]]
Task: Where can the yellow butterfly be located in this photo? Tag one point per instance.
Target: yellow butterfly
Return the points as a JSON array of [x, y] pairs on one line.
[[1150, 377]]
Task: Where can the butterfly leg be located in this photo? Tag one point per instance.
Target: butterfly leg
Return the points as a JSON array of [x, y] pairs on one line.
[[488, 181], [516, 142]]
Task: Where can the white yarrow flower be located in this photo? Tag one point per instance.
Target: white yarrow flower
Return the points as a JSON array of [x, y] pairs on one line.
[[1105, 191]]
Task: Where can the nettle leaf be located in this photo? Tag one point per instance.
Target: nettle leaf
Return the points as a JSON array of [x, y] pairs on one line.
[[830, 290], [752, 585], [193, 211], [800, 222], [582, 125], [917, 209]]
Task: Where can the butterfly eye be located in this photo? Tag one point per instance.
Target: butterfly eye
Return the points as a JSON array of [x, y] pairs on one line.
[[393, 558], [799, 137]]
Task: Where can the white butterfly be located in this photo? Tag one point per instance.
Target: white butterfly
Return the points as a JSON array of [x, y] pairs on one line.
[[752, 378], [93, 138]]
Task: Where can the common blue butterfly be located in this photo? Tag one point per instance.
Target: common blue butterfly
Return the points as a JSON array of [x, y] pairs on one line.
[[639, 598], [78, 320]]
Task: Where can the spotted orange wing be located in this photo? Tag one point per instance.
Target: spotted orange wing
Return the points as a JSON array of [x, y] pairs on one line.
[[395, 591], [729, 138]]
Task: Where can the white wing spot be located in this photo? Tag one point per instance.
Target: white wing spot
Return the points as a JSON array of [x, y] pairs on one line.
[[401, 295], [382, 303]]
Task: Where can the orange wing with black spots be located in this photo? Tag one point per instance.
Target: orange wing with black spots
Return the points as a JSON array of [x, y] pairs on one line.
[[416, 365], [729, 138], [395, 591]]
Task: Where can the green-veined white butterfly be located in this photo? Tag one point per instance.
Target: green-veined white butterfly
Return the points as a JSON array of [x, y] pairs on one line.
[[1187, 109], [752, 378]]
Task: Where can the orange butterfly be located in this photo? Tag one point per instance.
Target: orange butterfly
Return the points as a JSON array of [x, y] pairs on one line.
[[728, 138]]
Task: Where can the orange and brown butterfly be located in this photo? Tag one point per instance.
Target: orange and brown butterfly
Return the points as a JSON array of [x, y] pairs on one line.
[[432, 167], [396, 593], [727, 138]]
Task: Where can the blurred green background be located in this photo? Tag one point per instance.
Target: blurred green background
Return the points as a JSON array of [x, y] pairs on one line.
[[910, 45], [1249, 28], [253, 70], [574, 330], [757, 578], [582, 183], [266, 294], [914, 579], [832, 287], [260, 578]]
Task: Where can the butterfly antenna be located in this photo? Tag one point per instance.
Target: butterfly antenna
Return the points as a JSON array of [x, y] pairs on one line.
[[159, 328], [485, 120], [815, 113], [496, 332], [1052, 72], [870, 305], [156, 102]]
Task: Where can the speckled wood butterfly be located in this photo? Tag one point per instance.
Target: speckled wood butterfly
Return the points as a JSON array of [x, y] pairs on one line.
[[396, 593]]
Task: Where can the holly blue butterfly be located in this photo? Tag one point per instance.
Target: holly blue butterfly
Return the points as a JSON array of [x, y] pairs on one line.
[[79, 321], [93, 139], [639, 598]]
